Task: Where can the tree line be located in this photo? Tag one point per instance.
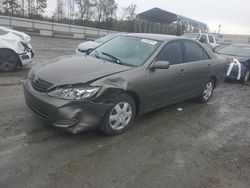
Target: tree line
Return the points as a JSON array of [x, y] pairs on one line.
[[93, 13]]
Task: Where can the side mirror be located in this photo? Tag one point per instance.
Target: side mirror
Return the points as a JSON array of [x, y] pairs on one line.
[[89, 51], [160, 65]]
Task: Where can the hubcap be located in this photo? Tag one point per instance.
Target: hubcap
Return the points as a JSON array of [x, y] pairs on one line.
[[208, 90], [120, 116], [247, 76]]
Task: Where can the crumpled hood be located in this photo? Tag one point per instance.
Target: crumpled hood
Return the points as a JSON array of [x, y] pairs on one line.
[[13, 40], [22, 36], [76, 69]]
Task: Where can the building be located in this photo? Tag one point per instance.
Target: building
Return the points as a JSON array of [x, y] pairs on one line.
[[157, 20]]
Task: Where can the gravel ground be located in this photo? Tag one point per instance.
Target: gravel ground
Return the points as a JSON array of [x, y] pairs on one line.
[[205, 145]]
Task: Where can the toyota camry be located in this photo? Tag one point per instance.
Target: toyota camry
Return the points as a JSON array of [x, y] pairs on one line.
[[125, 77]]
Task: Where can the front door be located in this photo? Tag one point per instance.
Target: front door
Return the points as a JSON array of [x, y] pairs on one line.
[[165, 85]]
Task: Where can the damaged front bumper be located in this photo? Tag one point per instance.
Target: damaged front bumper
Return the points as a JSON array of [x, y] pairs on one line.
[[26, 57], [74, 116]]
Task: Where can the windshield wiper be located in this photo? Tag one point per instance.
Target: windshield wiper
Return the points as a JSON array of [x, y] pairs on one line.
[[117, 60]]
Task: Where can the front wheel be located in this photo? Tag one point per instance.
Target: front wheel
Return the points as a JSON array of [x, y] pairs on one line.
[[8, 60], [245, 78], [207, 91], [121, 115]]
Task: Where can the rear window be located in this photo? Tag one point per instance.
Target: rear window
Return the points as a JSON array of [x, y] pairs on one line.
[[211, 39]]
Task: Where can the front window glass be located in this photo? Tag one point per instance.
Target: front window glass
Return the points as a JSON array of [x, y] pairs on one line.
[[203, 39], [126, 50], [236, 50], [172, 53]]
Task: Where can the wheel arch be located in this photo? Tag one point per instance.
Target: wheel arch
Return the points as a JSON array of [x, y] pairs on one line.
[[214, 78], [13, 51]]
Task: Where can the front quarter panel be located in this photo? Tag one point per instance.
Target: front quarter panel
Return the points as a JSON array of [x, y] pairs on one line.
[[131, 81]]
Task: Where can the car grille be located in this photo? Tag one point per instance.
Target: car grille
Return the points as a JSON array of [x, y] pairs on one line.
[[40, 85]]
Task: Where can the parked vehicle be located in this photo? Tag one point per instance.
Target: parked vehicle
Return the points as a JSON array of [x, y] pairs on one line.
[[128, 76], [15, 49], [203, 38], [238, 58], [220, 46], [88, 46]]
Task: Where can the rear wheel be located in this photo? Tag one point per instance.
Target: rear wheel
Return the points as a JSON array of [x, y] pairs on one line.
[[121, 115], [9, 60], [207, 91]]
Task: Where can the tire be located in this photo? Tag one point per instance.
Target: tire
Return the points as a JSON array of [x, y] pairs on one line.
[[120, 117], [9, 60], [245, 78], [207, 91]]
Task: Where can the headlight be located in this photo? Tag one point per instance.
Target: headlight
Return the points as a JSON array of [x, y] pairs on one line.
[[76, 93]]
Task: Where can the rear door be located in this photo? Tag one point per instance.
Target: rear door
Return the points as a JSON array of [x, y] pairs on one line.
[[197, 66]]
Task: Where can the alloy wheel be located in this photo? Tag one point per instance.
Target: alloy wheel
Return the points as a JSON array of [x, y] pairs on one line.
[[208, 90]]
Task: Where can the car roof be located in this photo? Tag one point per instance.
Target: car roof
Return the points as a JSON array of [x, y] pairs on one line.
[[158, 37], [199, 33]]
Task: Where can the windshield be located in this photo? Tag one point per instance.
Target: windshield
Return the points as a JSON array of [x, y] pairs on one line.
[[191, 36], [236, 50], [105, 39], [126, 50]]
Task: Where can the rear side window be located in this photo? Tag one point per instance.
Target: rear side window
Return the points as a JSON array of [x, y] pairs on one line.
[[172, 52], [194, 52], [211, 39]]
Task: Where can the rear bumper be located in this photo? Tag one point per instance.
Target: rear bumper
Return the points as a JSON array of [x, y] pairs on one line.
[[75, 116]]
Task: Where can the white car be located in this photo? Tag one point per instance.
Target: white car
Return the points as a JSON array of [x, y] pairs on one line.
[[15, 49], [88, 46], [203, 38]]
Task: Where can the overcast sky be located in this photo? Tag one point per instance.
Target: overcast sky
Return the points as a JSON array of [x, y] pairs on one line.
[[233, 15]]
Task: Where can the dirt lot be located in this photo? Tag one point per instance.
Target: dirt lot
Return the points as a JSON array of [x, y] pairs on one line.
[[203, 146]]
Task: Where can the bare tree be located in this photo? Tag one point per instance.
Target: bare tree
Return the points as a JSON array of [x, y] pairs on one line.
[[59, 12], [85, 8], [40, 6], [129, 12], [11, 7], [71, 9]]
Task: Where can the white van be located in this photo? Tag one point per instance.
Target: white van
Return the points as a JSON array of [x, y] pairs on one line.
[[202, 37]]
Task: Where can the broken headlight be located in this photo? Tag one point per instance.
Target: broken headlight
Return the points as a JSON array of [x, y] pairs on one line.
[[75, 93]]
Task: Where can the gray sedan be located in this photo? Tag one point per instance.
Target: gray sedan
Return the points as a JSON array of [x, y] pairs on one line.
[[127, 76]]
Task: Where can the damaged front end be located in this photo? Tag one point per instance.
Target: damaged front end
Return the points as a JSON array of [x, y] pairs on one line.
[[19, 43]]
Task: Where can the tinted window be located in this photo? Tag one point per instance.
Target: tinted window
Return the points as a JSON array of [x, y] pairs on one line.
[[203, 39], [194, 52], [211, 39], [172, 52]]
